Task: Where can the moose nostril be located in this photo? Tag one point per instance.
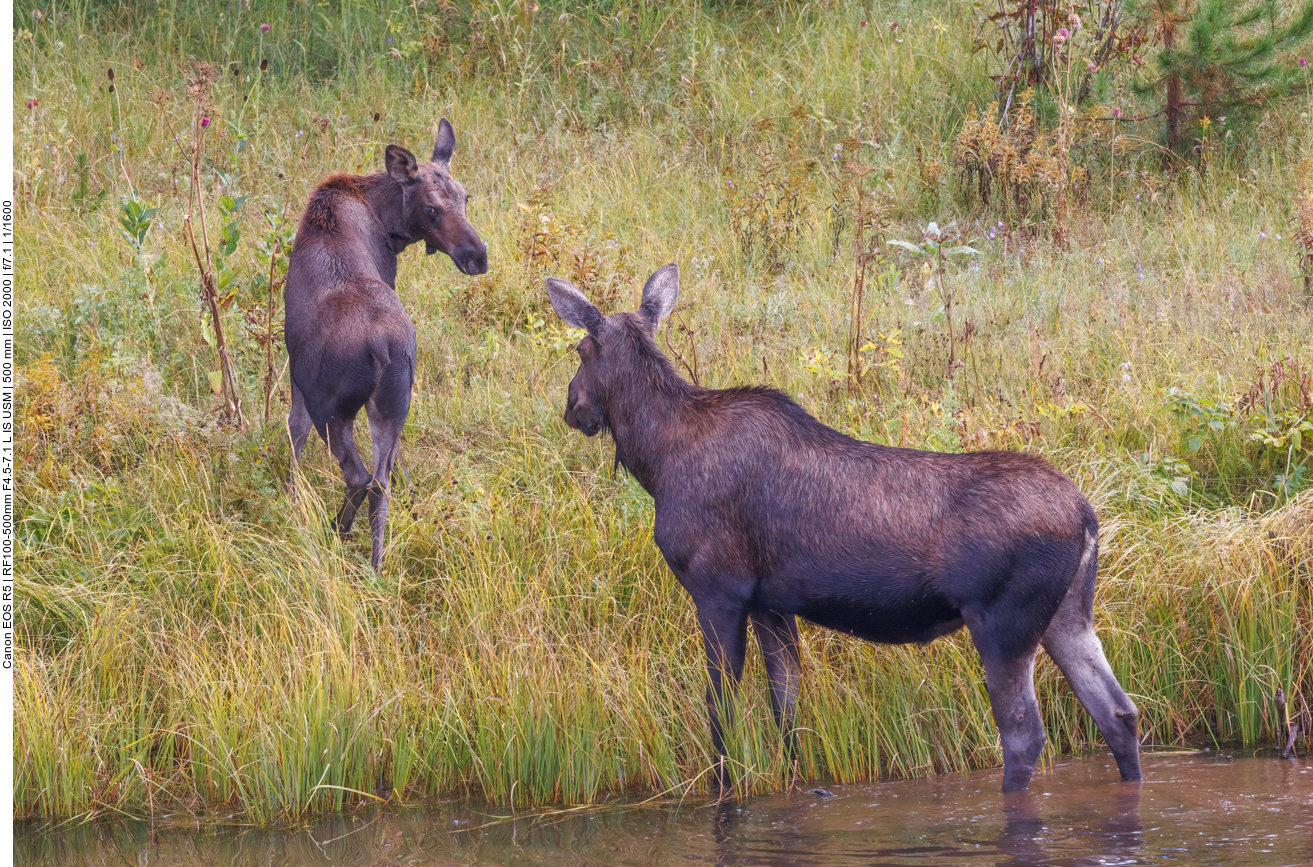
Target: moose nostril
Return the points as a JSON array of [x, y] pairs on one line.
[[476, 262]]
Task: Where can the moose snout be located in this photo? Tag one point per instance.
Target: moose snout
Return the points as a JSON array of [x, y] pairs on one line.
[[472, 258], [583, 420]]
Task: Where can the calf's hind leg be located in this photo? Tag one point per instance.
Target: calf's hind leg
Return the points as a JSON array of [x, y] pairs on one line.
[[298, 429], [1010, 680], [343, 446], [387, 416], [1073, 645]]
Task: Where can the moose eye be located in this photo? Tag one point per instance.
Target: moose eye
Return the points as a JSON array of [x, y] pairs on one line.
[[430, 211]]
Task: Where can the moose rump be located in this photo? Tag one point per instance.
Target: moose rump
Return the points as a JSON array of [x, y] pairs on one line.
[[350, 344], [764, 515]]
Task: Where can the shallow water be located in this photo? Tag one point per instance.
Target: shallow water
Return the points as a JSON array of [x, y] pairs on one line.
[[1190, 810]]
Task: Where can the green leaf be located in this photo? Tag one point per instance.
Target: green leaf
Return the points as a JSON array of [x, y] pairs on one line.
[[915, 248], [962, 250], [1196, 444], [1179, 486], [207, 331], [216, 382]]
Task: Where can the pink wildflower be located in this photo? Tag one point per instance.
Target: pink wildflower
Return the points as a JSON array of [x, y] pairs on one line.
[[205, 122], [264, 28]]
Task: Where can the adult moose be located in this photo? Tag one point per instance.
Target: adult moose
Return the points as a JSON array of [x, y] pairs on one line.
[[765, 514], [350, 343]]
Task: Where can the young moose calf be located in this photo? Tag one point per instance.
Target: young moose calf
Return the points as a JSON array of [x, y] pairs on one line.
[[764, 514], [350, 343]]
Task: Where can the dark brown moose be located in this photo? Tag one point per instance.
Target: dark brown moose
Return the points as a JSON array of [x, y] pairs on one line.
[[765, 514], [350, 343]]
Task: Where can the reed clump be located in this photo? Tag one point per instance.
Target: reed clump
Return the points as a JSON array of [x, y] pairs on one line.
[[192, 642]]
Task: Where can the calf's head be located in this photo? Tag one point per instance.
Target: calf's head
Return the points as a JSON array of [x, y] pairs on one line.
[[433, 204], [608, 352]]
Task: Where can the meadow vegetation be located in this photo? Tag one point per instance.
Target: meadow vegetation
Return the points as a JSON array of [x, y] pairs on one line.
[[191, 642]]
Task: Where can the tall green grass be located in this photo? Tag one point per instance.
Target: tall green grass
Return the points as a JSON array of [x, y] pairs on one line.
[[193, 642]]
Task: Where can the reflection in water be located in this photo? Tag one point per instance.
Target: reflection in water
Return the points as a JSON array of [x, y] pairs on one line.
[[1191, 810], [1024, 837]]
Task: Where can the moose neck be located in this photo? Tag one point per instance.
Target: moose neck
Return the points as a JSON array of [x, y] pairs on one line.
[[383, 195], [648, 414]]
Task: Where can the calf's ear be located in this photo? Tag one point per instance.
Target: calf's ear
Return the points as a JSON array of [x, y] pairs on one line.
[[571, 305], [445, 146], [401, 164], [659, 296]]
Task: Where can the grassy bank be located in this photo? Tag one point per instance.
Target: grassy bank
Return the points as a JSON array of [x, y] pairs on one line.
[[191, 641]]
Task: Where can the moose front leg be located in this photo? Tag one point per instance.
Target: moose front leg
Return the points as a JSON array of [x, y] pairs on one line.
[[778, 636], [724, 635]]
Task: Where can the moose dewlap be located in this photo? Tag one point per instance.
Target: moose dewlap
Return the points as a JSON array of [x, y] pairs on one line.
[[764, 515]]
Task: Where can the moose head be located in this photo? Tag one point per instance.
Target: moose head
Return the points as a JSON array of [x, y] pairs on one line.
[[607, 351], [433, 204]]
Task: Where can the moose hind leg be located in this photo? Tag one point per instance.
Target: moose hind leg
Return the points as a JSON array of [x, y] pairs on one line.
[[343, 446], [385, 430], [298, 430], [1010, 680], [1073, 645]]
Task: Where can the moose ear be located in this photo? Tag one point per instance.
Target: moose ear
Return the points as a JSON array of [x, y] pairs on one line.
[[571, 305], [401, 164], [659, 295], [445, 146]]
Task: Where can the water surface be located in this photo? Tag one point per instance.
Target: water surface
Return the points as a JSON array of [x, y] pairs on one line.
[[1191, 810]]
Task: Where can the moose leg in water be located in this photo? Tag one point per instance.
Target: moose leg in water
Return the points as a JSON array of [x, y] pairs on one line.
[[1010, 681], [1071, 643], [350, 343], [724, 637], [764, 514]]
